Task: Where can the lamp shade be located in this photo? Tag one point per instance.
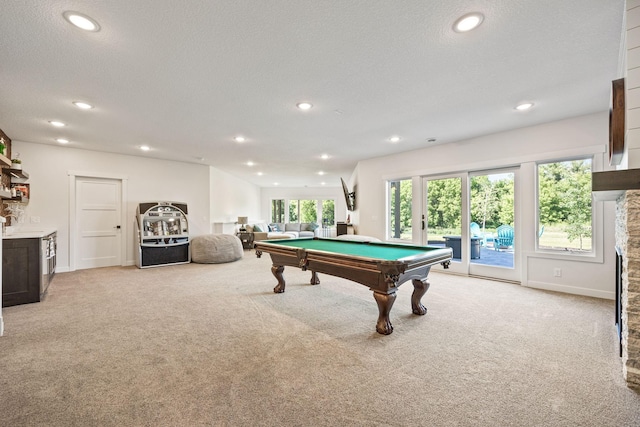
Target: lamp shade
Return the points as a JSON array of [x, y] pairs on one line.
[[243, 220]]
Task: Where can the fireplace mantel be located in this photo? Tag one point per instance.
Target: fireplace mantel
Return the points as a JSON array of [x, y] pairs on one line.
[[610, 185]]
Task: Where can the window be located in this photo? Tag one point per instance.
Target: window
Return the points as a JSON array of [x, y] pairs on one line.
[[303, 211], [277, 210], [444, 209], [565, 210], [328, 212], [294, 213], [400, 209], [308, 210]]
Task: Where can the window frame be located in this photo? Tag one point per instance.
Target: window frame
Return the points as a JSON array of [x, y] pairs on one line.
[[321, 212], [597, 215], [284, 210], [319, 209], [388, 227]]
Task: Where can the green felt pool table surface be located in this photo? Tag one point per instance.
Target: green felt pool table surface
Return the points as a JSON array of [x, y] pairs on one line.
[[383, 251]]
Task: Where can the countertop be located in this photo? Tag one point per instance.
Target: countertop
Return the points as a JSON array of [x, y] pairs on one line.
[[28, 233]]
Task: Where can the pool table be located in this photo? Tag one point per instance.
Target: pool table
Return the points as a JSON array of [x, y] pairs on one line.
[[383, 267]]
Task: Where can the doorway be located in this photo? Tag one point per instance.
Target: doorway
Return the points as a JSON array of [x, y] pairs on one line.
[[97, 222]]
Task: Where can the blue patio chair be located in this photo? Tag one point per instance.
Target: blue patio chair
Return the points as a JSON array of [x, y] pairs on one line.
[[477, 232], [503, 238]]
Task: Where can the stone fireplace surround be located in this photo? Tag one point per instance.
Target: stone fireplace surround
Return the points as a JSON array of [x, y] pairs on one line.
[[628, 244]]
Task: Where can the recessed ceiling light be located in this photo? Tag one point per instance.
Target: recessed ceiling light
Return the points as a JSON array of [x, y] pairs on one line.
[[468, 22], [394, 139], [239, 138], [275, 183], [145, 148], [62, 140], [524, 106], [324, 156], [250, 163], [82, 105], [81, 21], [259, 174], [321, 173], [304, 105], [323, 183], [56, 123]]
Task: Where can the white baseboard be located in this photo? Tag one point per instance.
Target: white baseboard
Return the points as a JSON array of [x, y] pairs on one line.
[[575, 290], [1, 326], [66, 269]]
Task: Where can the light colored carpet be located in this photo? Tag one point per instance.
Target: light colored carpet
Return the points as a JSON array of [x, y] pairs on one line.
[[211, 344]]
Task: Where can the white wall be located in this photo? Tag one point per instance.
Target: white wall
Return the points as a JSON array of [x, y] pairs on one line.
[[147, 180], [302, 193], [631, 43], [231, 197], [212, 195], [520, 148]]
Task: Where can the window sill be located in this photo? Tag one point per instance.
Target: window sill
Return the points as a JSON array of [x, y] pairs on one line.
[[594, 257]]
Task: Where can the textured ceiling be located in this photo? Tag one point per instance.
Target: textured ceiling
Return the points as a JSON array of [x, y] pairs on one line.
[[185, 77]]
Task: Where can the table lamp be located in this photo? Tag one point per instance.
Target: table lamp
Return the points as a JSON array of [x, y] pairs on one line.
[[242, 220]]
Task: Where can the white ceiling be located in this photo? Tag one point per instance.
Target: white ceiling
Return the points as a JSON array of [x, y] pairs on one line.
[[185, 77]]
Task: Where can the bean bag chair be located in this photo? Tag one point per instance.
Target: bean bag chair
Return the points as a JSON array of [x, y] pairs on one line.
[[216, 249]]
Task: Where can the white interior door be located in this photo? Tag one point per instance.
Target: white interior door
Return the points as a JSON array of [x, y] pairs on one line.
[[98, 228]]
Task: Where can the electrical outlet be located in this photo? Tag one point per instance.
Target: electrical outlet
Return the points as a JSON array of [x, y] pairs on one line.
[[557, 272], [35, 219]]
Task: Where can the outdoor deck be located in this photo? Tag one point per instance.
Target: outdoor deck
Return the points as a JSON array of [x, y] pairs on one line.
[[489, 256]]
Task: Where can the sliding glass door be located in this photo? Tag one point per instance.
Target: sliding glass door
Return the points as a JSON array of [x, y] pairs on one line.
[[492, 224], [474, 215], [442, 219]]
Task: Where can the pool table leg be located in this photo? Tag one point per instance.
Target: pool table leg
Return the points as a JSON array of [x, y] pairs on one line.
[[385, 302], [315, 280], [277, 271], [420, 287]]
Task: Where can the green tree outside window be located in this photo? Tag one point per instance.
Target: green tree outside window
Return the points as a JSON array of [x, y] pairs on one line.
[[565, 205]]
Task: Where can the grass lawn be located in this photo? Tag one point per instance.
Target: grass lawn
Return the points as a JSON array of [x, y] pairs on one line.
[[555, 237]]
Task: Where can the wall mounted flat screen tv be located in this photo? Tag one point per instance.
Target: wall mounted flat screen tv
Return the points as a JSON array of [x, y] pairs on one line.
[[617, 112], [349, 197]]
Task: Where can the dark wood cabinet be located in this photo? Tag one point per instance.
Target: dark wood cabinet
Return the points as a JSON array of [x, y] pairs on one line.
[[344, 228], [21, 271]]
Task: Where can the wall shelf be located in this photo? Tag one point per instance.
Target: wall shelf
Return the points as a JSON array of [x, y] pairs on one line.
[[17, 173], [4, 161], [20, 199]]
